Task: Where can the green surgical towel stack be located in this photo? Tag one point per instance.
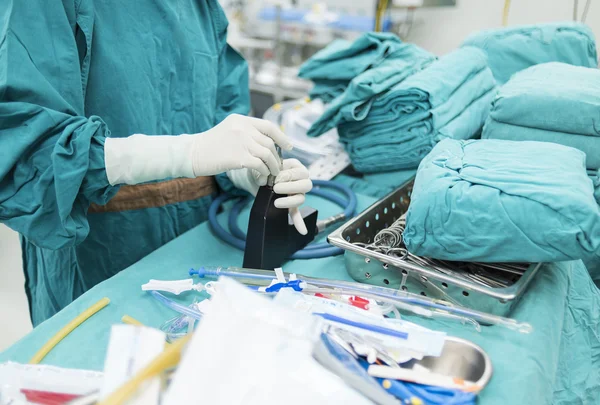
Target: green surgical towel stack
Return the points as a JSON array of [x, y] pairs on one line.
[[511, 50], [332, 68], [551, 102], [396, 127]]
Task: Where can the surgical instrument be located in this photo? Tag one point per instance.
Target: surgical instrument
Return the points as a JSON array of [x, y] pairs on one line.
[[495, 275]]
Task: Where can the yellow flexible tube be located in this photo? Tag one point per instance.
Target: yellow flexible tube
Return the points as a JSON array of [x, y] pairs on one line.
[[169, 358], [131, 321], [68, 328], [505, 13], [127, 320]]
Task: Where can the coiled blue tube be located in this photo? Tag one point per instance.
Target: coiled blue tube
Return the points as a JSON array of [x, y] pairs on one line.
[[237, 237]]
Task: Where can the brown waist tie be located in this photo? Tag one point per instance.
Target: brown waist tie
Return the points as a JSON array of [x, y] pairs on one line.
[[154, 195]]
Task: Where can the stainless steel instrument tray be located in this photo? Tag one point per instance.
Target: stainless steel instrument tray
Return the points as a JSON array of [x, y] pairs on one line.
[[376, 268]]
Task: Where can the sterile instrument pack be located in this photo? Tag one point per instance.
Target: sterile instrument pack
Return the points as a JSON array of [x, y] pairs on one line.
[[392, 269]]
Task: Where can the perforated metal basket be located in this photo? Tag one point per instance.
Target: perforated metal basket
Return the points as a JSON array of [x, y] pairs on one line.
[[376, 268]]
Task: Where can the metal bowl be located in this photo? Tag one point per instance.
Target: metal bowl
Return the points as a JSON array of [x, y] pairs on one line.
[[461, 359]]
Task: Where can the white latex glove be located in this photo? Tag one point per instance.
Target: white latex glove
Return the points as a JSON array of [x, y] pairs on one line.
[[237, 142], [293, 180]]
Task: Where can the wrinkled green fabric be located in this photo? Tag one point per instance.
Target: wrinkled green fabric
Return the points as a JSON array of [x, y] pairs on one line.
[[590, 145], [593, 263], [550, 102], [327, 90], [73, 73], [400, 62], [511, 50], [450, 98], [332, 68], [343, 59], [558, 363], [503, 201], [376, 185], [596, 180]]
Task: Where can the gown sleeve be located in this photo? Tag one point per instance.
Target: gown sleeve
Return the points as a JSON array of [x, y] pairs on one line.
[[51, 154], [233, 94]]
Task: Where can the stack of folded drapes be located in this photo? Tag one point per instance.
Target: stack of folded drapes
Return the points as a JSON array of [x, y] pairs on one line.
[[332, 68], [513, 49], [397, 124], [551, 102]]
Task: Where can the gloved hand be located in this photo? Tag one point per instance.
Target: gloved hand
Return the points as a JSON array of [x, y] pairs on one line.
[[293, 180], [237, 142], [244, 147]]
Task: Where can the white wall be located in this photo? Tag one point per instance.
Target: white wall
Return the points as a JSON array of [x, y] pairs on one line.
[[14, 312], [441, 29]]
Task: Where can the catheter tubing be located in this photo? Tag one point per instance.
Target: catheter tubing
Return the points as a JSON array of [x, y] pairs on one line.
[[383, 293], [182, 309], [318, 250]]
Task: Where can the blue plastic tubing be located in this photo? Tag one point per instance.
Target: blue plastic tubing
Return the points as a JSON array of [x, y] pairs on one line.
[[237, 238]]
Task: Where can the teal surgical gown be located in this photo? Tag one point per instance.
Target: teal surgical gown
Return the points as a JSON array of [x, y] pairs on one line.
[[74, 72]]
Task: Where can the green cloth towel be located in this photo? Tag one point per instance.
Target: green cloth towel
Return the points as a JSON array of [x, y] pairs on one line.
[[327, 90], [551, 102], [503, 201], [511, 50], [343, 59]]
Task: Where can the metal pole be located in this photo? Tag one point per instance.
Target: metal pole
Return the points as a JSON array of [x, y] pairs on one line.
[[277, 96]]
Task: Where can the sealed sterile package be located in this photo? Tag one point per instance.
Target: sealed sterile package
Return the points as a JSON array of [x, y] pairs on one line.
[[295, 118], [130, 349], [20, 382], [503, 201], [250, 350], [418, 340]]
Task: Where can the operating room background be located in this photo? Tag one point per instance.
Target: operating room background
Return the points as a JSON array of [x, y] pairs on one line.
[[438, 30]]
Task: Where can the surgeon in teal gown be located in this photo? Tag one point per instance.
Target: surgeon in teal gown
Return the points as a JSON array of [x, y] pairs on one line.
[[76, 73]]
